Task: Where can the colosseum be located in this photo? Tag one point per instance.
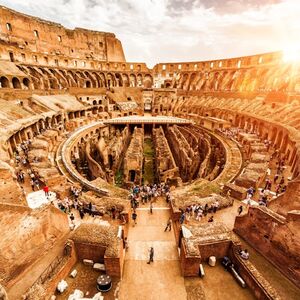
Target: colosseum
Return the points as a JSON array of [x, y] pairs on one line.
[[120, 181]]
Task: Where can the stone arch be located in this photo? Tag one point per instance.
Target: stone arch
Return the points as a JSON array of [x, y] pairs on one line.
[[103, 81], [91, 78], [4, 82], [119, 79], [126, 81], [111, 80], [16, 83], [132, 78], [148, 81], [26, 83], [139, 79]]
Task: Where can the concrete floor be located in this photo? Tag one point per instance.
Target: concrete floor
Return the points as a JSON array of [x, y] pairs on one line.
[[161, 279]]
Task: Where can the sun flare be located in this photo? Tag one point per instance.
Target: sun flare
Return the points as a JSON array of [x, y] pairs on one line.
[[291, 54]]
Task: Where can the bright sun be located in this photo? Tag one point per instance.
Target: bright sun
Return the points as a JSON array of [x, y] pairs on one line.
[[291, 54]]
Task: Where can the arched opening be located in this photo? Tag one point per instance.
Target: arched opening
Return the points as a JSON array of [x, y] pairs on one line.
[[26, 83], [88, 84], [4, 83], [16, 83]]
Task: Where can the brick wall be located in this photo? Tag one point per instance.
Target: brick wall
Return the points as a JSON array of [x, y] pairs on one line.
[[254, 280], [217, 249], [95, 252], [189, 264], [114, 265], [62, 273]]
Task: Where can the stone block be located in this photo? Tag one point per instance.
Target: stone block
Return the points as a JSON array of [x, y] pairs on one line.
[[99, 267], [88, 262], [73, 273], [212, 261]]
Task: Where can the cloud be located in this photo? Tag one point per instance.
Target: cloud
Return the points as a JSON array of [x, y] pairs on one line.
[[155, 31]]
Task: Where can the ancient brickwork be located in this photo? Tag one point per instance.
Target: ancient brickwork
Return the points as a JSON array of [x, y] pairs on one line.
[[133, 160], [165, 164], [273, 236]]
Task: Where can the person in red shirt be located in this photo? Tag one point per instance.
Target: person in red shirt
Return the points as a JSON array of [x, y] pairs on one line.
[[46, 190]]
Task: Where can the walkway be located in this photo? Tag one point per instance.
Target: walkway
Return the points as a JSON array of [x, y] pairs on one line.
[[159, 280]]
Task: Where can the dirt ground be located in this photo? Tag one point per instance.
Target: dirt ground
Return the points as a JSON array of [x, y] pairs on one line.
[[217, 284], [85, 281]]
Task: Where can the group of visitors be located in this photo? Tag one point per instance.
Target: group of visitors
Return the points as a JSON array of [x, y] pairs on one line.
[[197, 211], [147, 194]]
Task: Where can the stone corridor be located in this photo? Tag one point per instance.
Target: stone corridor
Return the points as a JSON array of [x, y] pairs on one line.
[[161, 279]]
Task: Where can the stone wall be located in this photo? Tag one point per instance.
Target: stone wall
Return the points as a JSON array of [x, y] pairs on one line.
[[31, 232], [34, 35], [165, 163], [114, 265], [189, 264], [133, 160], [274, 236], [254, 280], [184, 145]]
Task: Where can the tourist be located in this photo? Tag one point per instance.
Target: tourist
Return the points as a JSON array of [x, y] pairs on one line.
[[72, 218], [46, 190], [215, 206], [240, 209], [125, 244], [151, 207], [81, 213], [199, 214], [169, 225], [244, 254], [32, 184], [134, 217], [250, 192], [268, 184], [151, 255], [182, 217], [211, 219]]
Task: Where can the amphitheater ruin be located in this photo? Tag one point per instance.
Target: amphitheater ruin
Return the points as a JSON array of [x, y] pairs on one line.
[[89, 139]]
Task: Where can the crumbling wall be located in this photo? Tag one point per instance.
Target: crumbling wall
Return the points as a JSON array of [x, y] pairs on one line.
[[275, 237], [133, 160], [165, 163]]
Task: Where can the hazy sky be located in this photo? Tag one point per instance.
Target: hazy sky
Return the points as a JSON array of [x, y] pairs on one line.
[[155, 31]]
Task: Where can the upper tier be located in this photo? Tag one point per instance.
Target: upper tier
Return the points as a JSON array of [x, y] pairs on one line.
[[33, 35]]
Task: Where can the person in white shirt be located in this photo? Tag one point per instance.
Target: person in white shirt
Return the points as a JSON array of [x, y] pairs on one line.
[[244, 254]]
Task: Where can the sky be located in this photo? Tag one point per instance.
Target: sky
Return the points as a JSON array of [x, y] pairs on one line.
[[154, 31]]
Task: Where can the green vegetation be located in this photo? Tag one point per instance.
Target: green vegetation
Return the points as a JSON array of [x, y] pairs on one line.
[[119, 178], [149, 156], [205, 188]]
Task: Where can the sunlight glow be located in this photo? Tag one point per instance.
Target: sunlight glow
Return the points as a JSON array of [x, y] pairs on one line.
[[291, 54]]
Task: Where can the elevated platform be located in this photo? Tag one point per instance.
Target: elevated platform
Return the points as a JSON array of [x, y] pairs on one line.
[[148, 120]]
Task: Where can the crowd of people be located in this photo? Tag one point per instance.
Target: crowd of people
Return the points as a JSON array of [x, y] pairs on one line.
[[144, 194], [147, 193], [197, 211]]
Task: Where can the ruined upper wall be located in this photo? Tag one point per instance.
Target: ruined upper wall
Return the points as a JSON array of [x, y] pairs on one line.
[[226, 63], [33, 35]]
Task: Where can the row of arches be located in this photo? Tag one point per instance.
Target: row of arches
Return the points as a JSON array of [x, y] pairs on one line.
[[194, 107], [255, 79], [50, 78], [14, 82]]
